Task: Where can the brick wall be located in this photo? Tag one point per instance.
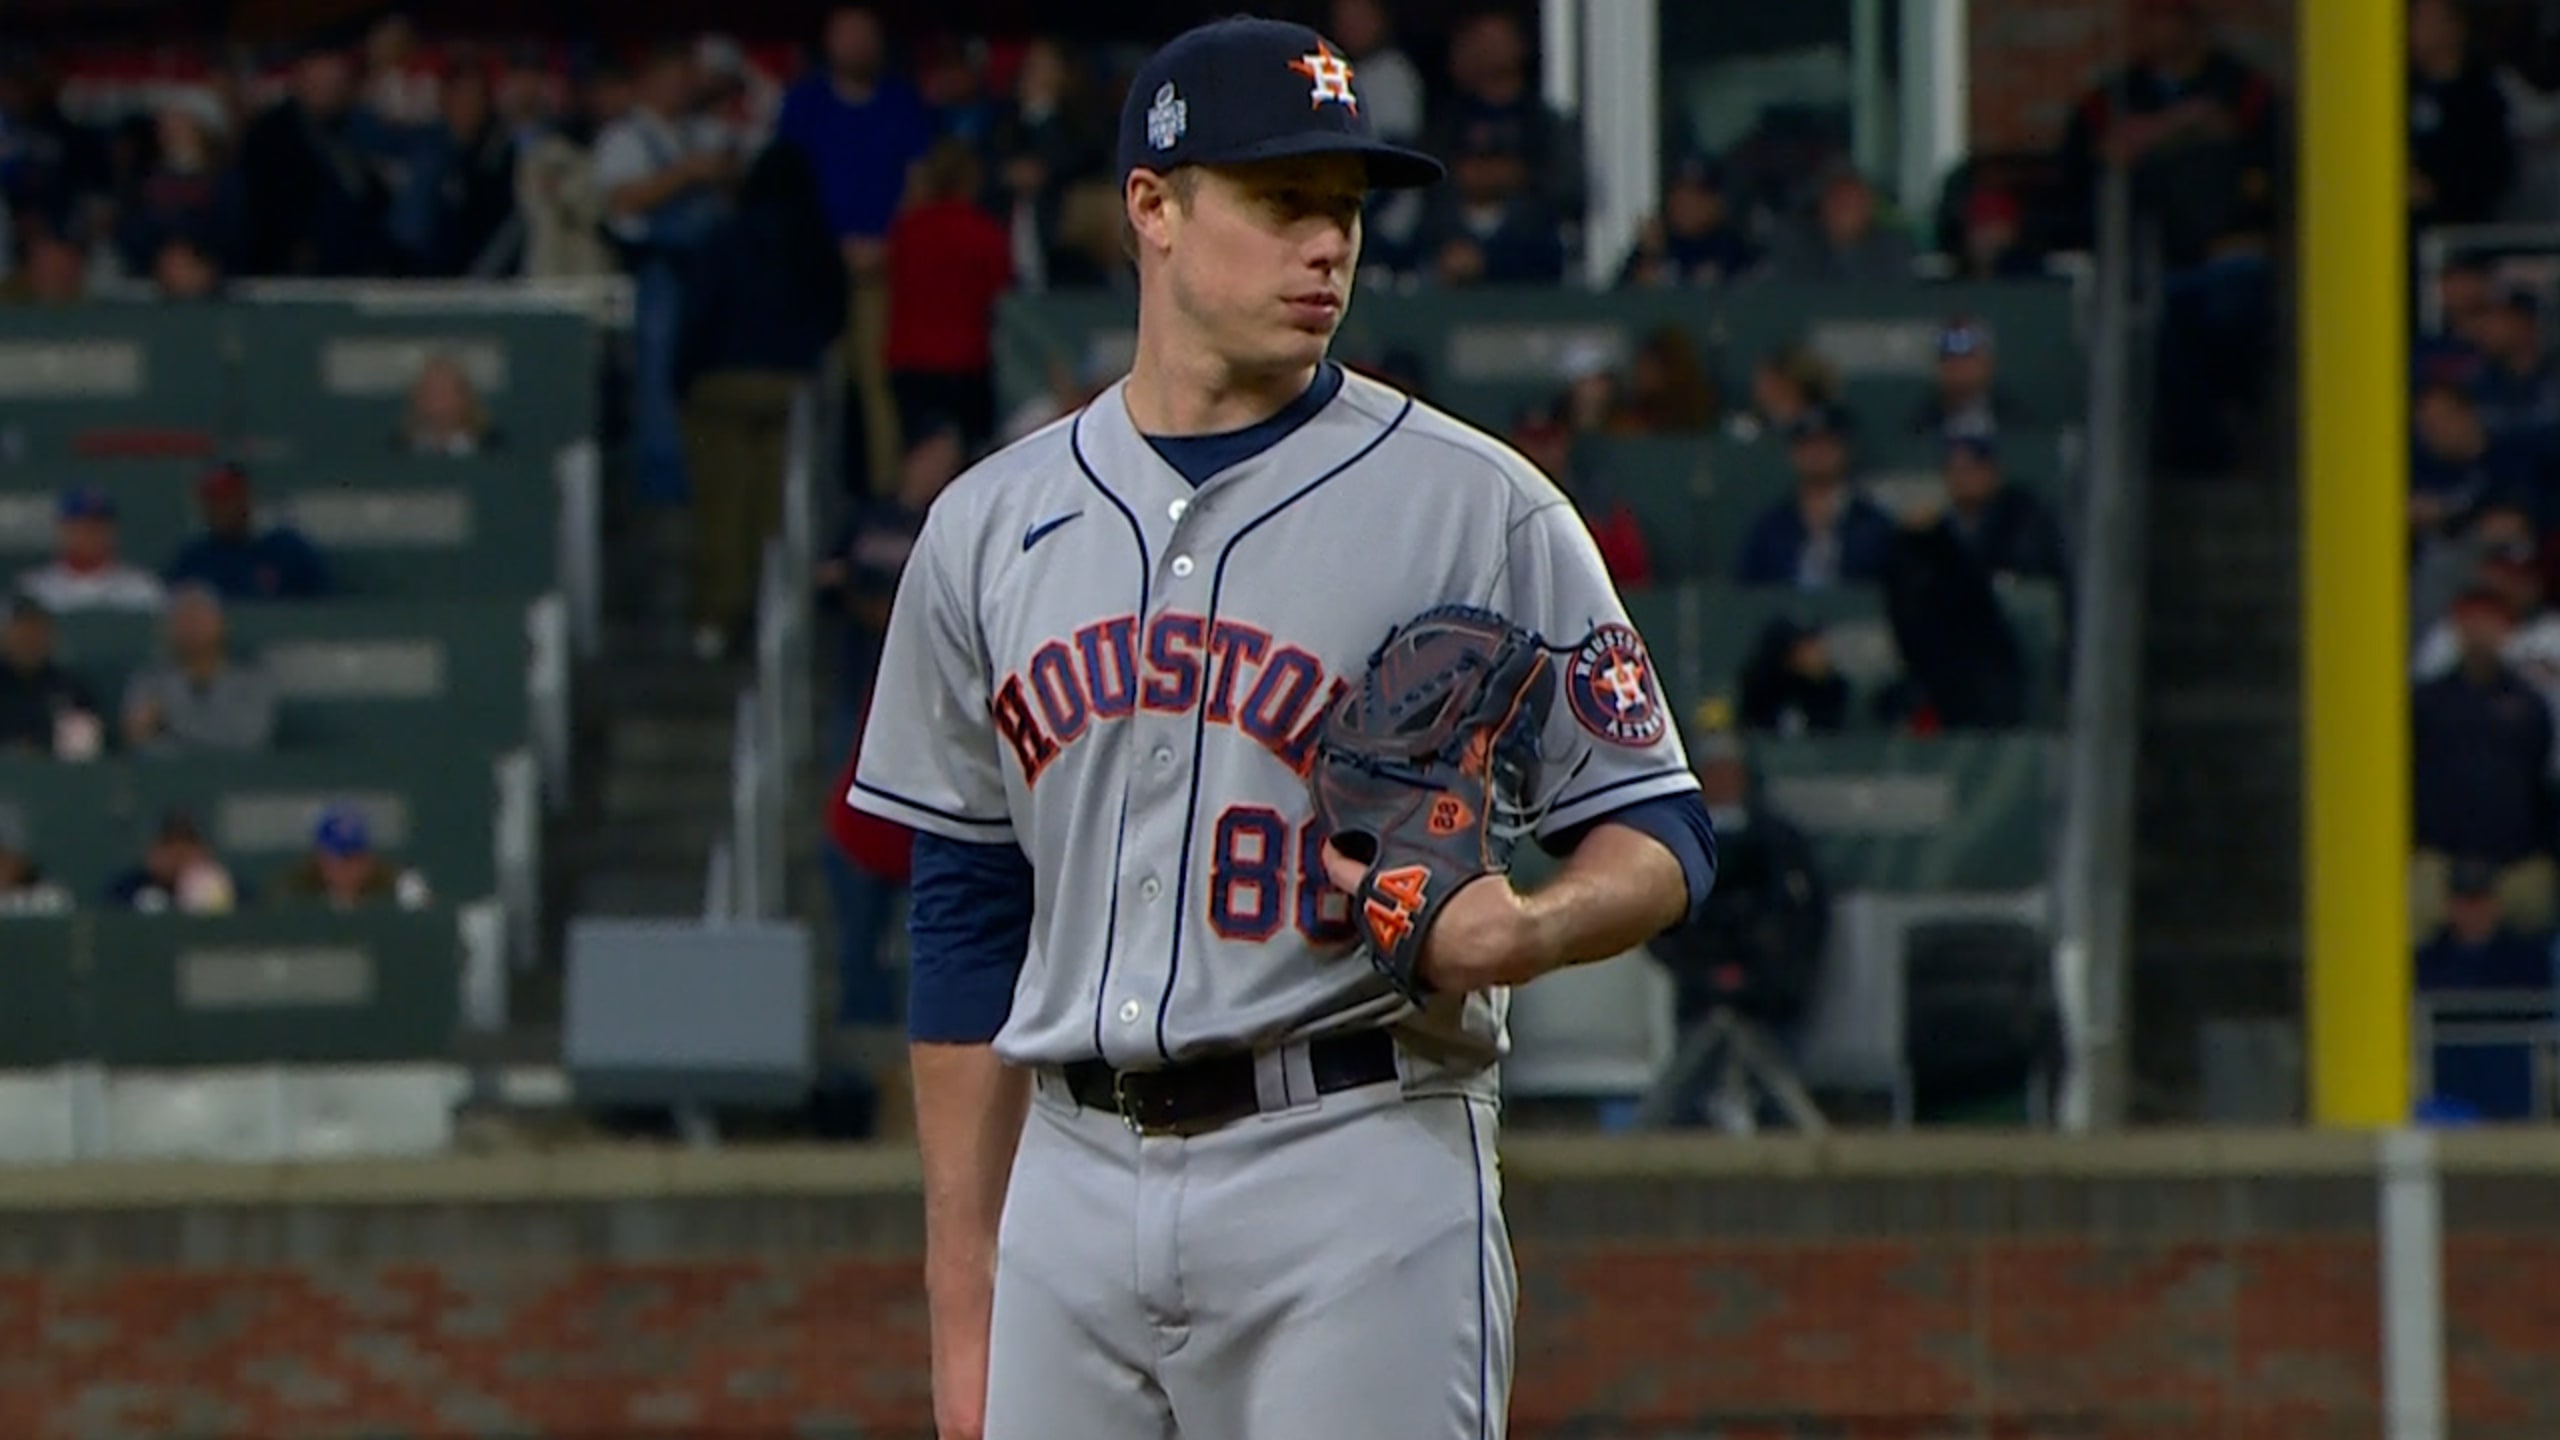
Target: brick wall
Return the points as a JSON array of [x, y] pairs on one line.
[[2032, 59], [1793, 1304]]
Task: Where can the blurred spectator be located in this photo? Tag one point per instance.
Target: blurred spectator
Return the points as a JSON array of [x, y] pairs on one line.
[[2194, 125], [1786, 384], [236, 559], [1755, 949], [2475, 954], [44, 708], [51, 166], [1048, 139], [466, 173], [861, 581], [1788, 686], [1668, 392], [1994, 239], [184, 270], [2519, 390], [400, 83], [197, 697], [862, 128], [445, 415], [2455, 470], [2462, 158], [764, 301], [1963, 668], [52, 271], [663, 178], [2466, 291], [178, 871], [2483, 741], [2005, 530], [1695, 240], [1390, 86], [1827, 533], [2532, 647], [24, 890], [1493, 91], [948, 265], [343, 870], [557, 196], [2193, 122], [2452, 560], [1490, 225], [1070, 388], [311, 199], [1542, 437], [1592, 404], [188, 194], [1844, 239], [1967, 395], [2476, 948], [86, 573]]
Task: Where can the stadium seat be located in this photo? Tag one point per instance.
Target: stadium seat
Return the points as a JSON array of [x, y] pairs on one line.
[[111, 384], [333, 382]]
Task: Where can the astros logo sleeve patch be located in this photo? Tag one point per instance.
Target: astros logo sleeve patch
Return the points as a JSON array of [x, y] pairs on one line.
[[1611, 688]]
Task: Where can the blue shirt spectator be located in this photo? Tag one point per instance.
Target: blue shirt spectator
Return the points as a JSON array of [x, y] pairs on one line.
[[860, 126], [1825, 534], [237, 560], [2455, 469]]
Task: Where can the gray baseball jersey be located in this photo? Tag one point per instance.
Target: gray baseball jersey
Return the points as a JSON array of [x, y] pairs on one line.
[[1123, 675]]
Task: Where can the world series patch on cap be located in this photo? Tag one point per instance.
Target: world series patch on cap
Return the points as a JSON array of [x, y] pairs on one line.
[[1246, 89]]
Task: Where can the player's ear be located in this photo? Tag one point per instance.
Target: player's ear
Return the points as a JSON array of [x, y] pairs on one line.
[[1147, 205]]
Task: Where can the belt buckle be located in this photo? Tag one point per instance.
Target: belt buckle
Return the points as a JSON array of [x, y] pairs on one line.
[[1121, 1102]]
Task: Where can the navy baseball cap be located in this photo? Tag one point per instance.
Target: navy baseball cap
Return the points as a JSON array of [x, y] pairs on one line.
[[1252, 89], [86, 502]]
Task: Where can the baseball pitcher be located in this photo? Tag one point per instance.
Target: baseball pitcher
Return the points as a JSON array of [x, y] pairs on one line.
[[1216, 707]]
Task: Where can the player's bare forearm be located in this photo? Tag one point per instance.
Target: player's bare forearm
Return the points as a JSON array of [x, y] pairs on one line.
[[1619, 889], [969, 1111]]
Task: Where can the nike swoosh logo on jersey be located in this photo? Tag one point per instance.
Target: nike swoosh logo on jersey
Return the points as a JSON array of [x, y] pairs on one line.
[[1039, 532]]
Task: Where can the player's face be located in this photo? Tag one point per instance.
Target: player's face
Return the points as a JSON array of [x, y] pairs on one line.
[[1261, 264]]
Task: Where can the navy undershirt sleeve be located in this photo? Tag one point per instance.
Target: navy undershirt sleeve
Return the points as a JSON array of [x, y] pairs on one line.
[[1680, 822], [968, 928], [1197, 457]]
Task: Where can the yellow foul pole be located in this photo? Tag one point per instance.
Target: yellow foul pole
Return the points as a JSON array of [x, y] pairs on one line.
[[2354, 347]]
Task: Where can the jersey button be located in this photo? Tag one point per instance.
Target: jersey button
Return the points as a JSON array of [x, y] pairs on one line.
[[1129, 1012], [1174, 510], [1181, 564], [1151, 887], [1164, 757]]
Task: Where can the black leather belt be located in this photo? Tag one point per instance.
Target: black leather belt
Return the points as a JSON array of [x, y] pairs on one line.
[[1213, 1090]]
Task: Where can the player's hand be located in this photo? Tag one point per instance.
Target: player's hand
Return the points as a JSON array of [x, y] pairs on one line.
[[1485, 936]]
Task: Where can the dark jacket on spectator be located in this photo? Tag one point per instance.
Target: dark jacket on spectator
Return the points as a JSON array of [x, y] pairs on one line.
[[2458, 139], [1773, 552], [2504, 961], [1953, 634], [474, 202], [2200, 191], [275, 565], [2483, 759], [1775, 698], [311, 201], [2014, 535], [29, 703], [767, 288], [1524, 244]]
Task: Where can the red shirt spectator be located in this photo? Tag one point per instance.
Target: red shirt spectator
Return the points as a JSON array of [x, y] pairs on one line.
[[949, 261]]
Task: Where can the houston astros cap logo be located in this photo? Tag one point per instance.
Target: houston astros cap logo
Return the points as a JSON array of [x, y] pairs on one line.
[[1331, 75], [1610, 685]]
